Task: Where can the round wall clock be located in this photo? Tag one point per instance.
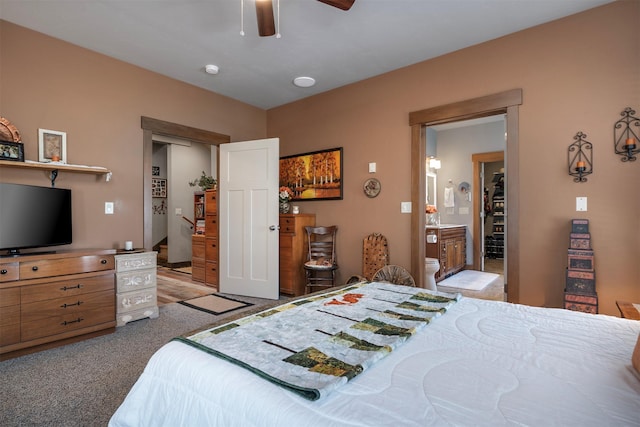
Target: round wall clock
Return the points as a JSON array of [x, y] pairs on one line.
[[372, 187]]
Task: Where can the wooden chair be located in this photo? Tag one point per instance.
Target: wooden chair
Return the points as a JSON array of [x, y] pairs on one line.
[[321, 262], [394, 274]]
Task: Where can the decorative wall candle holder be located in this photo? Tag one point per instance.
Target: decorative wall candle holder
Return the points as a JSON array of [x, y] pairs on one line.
[[625, 138], [580, 158]]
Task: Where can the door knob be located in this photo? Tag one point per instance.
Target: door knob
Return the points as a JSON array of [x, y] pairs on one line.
[[274, 227]]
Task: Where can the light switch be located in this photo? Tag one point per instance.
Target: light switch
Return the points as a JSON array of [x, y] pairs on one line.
[[178, 211], [372, 167], [405, 207], [581, 204], [108, 208]]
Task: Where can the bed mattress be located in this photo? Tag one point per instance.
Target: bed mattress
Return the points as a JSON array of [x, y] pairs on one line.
[[484, 363]]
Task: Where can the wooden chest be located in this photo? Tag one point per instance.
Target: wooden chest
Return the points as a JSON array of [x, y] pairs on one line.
[[579, 302]]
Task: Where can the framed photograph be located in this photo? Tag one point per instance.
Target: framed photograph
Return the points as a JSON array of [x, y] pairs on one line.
[[13, 151], [52, 146], [313, 176], [158, 187], [155, 170]]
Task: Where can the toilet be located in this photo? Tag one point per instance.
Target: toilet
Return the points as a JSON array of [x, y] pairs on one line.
[[431, 267]]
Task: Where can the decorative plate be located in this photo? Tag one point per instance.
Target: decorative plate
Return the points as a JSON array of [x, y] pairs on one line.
[[372, 187], [8, 132]]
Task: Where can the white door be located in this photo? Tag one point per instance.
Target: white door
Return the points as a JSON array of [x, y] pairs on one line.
[[248, 198]]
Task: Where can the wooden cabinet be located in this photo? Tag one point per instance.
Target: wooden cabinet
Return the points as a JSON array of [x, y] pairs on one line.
[[53, 299], [449, 248], [136, 286], [204, 247], [197, 257], [293, 251]]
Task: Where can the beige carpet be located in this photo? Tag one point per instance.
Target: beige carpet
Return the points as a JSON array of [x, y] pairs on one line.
[[215, 304]]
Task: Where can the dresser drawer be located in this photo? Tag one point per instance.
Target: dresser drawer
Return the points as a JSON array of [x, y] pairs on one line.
[[137, 300], [211, 201], [67, 287], [211, 273], [197, 248], [9, 315], [40, 310], [131, 262], [135, 280], [211, 225], [287, 225], [9, 272], [9, 296], [63, 266], [67, 322], [211, 249], [197, 270], [9, 334]]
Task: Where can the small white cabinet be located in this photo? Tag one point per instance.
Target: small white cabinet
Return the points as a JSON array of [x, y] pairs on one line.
[[136, 286]]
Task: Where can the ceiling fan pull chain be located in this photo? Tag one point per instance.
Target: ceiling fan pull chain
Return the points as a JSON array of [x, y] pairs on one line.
[[242, 17], [278, 19]]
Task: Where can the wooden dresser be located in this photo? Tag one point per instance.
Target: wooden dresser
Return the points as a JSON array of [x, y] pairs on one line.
[[136, 286], [449, 248], [53, 299], [204, 247], [293, 252]]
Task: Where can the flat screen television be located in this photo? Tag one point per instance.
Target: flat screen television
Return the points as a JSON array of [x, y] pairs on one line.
[[33, 217]]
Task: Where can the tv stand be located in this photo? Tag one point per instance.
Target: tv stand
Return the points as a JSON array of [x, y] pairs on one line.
[[47, 300]]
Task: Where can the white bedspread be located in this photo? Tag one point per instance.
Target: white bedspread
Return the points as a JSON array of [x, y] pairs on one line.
[[485, 363]]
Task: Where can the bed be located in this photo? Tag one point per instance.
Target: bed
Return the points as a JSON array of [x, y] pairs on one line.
[[473, 363]]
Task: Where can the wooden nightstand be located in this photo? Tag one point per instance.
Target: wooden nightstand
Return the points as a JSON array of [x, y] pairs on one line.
[[628, 310]]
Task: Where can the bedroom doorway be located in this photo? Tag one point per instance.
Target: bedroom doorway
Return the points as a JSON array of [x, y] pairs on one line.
[[506, 103]]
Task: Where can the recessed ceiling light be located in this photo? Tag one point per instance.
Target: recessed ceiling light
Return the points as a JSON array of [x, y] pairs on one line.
[[211, 69], [304, 81]]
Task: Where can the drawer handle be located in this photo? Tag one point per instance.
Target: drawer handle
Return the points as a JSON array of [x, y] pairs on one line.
[[66, 288], [78, 320], [3, 271], [213, 245], [34, 268], [71, 305], [103, 261]]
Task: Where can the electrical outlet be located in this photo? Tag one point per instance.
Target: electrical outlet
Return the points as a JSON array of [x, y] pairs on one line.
[[108, 208]]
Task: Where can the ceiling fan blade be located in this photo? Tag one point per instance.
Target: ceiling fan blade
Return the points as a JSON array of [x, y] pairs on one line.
[[264, 13], [340, 4]]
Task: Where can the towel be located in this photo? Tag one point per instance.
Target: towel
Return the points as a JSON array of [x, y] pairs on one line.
[[449, 197]]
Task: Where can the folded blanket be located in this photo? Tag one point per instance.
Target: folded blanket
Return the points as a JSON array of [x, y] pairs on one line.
[[317, 343]]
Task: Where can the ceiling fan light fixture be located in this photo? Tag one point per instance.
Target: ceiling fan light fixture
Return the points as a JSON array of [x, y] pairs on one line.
[[211, 69], [304, 81], [340, 4], [264, 14]]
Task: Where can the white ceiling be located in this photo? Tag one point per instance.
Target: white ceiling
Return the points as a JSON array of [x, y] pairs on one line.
[[177, 38]]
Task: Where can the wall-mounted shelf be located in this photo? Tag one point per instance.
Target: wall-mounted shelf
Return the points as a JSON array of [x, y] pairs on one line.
[[54, 168]]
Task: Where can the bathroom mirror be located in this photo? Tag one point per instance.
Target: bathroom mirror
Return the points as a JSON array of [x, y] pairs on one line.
[[431, 189]]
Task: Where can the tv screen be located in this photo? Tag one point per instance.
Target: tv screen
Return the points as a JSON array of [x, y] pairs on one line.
[[33, 217]]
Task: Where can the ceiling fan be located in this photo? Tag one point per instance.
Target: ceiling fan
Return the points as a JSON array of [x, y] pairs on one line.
[[264, 13]]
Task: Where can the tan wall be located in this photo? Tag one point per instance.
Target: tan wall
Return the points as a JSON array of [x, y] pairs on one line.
[[577, 74], [98, 101]]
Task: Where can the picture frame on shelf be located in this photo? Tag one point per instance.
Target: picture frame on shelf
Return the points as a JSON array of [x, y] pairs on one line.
[[12, 151], [52, 146], [158, 187], [316, 175]]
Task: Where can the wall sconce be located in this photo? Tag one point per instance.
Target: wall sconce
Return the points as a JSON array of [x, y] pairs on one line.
[[435, 163], [625, 140], [580, 157]]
